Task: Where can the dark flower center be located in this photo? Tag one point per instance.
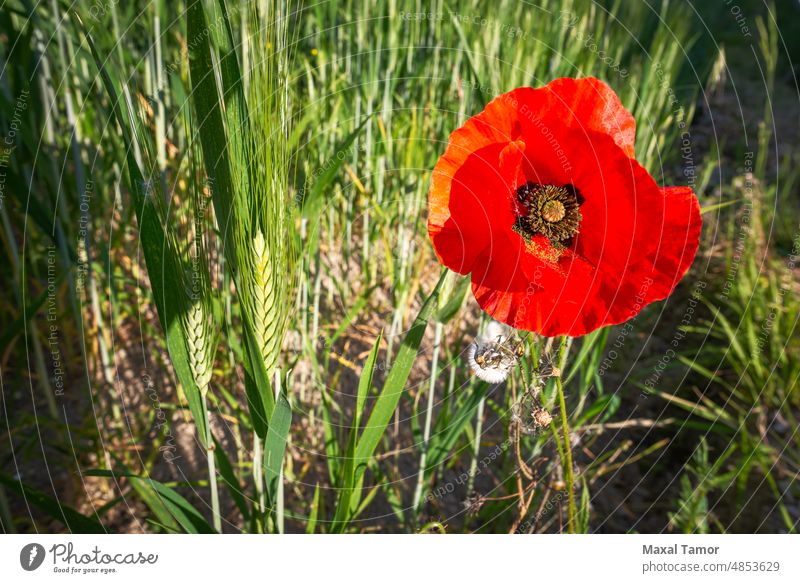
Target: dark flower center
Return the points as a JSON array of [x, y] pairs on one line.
[[548, 210]]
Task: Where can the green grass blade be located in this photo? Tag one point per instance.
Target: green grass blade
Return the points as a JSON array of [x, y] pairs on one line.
[[311, 525], [349, 318], [446, 433], [715, 207], [178, 507], [213, 137], [231, 481], [14, 328], [605, 406], [313, 200], [69, 517], [584, 509], [260, 397], [454, 302], [275, 444], [348, 478], [165, 278]]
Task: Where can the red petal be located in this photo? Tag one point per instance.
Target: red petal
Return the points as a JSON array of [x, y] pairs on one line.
[[525, 292], [591, 105], [482, 187], [586, 104]]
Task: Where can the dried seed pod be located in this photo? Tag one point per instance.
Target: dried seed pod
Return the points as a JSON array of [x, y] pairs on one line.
[[494, 354], [541, 417], [474, 503]]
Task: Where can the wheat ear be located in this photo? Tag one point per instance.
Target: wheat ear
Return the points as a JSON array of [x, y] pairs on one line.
[[199, 344], [267, 312]]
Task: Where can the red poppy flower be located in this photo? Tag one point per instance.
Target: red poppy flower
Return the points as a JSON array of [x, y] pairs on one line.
[[540, 198]]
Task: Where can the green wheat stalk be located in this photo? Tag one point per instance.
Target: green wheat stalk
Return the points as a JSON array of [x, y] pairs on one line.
[[262, 219], [189, 241]]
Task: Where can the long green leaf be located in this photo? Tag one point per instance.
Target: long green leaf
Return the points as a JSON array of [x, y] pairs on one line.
[[178, 507], [348, 478], [164, 275], [260, 398], [205, 97], [229, 478], [68, 516], [311, 525], [275, 444]]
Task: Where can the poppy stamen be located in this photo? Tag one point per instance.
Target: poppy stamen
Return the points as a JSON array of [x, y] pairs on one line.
[[548, 210]]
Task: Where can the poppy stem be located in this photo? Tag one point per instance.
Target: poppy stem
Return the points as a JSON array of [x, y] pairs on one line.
[[567, 446]]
